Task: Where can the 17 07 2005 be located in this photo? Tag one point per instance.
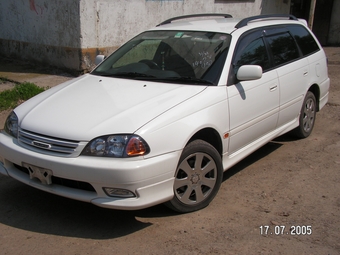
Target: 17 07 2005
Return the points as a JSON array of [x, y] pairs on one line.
[[295, 230]]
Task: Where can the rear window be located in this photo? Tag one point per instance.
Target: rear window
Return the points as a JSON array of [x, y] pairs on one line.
[[305, 40]]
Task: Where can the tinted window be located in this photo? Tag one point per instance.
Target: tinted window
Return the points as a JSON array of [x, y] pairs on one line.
[[250, 50], [283, 48], [304, 39], [253, 54]]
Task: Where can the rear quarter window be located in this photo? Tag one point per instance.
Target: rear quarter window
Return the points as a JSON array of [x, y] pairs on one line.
[[304, 39]]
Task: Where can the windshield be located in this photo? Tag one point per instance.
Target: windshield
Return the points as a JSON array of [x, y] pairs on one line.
[[172, 56]]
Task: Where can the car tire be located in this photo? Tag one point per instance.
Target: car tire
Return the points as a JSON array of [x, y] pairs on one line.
[[307, 116], [198, 177]]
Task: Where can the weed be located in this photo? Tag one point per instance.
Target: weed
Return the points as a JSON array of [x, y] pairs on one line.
[[21, 92]]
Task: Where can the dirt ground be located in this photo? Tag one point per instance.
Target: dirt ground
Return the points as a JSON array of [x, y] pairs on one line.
[[288, 183]]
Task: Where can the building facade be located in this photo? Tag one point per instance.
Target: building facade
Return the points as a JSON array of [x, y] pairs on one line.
[[70, 33]]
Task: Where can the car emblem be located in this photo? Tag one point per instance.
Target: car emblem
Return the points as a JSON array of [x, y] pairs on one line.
[[41, 145]]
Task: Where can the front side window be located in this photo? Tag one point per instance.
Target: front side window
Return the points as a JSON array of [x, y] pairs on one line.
[[253, 54], [172, 56], [250, 50]]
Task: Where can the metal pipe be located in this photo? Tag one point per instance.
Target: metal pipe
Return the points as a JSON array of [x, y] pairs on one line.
[[311, 14]]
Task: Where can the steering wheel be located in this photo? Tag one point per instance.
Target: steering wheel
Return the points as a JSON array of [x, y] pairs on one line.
[[152, 64]]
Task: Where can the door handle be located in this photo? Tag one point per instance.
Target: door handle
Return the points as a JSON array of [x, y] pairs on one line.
[[273, 88]]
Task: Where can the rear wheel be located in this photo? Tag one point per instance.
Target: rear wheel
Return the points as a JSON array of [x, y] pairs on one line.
[[307, 116], [198, 177]]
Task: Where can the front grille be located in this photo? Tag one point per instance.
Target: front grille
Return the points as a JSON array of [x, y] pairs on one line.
[[48, 145], [63, 182]]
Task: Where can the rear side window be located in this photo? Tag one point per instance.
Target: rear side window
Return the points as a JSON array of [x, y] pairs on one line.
[[283, 47], [304, 39]]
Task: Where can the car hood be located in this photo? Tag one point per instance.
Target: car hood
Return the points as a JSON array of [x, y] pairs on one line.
[[91, 106]]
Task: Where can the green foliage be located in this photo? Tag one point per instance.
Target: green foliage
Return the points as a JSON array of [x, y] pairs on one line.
[[27, 90], [2, 80], [21, 92]]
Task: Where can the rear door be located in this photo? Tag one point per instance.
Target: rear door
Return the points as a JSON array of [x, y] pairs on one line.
[[293, 72]]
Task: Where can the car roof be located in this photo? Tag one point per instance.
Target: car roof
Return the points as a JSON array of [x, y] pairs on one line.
[[224, 23]]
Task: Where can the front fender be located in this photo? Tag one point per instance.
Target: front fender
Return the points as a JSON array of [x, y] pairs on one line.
[[172, 130]]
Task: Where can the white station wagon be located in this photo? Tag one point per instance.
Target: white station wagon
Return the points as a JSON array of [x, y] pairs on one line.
[[161, 119]]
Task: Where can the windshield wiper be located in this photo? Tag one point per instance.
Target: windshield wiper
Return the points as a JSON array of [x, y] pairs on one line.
[[126, 74], [191, 80], [143, 76], [133, 74]]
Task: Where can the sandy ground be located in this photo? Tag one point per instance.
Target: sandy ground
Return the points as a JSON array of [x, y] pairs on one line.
[[290, 185]]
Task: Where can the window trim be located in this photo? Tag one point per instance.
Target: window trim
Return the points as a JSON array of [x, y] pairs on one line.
[[266, 32]]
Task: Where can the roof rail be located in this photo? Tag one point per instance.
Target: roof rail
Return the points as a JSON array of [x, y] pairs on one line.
[[168, 21], [245, 21]]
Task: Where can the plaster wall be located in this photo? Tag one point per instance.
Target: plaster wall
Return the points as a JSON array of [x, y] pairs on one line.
[[70, 33], [105, 22], [41, 30]]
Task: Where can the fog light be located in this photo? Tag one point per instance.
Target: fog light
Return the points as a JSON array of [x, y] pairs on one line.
[[114, 192]]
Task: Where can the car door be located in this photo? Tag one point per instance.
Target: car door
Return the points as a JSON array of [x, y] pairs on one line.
[[293, 73], [254, 104]]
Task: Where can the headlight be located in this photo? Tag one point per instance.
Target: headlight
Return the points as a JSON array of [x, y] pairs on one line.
[[11, 125], [117, 146]]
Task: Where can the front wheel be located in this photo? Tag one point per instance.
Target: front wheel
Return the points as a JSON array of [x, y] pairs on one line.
[[198, 177], [307, 116]]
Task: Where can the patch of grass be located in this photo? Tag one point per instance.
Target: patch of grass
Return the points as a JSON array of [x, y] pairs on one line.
[[21, 92], [2, 80]]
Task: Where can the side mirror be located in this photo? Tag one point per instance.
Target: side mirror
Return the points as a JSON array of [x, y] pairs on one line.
[[99, 59], [249, 72]]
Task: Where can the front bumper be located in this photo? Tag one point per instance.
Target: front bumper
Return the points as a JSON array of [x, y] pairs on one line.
[[150, 179]]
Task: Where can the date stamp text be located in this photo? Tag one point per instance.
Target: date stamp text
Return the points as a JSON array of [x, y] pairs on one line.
[[283, 230]]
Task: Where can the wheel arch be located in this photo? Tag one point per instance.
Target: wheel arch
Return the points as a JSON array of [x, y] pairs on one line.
[[316, 91], [210, 136]]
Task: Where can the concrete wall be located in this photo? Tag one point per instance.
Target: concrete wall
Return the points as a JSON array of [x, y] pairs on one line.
[[41, 31], [70, 33], [115, 21], [106, 24]]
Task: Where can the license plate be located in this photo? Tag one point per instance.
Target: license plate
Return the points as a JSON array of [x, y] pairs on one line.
[[42, 174]]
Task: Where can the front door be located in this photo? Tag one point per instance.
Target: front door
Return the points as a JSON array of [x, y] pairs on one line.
[[254, 105]]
